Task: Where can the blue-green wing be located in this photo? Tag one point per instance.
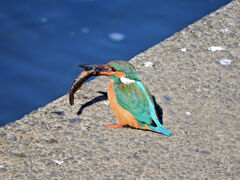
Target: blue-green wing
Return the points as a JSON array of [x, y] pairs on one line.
[[136, 99]]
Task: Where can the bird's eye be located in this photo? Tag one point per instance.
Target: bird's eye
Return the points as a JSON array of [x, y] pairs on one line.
[[113, 69]]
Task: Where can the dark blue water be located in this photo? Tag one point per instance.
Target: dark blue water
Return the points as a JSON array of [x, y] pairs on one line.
[[42, 41]]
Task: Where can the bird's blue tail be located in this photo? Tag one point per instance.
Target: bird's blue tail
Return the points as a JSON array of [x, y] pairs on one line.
[[161, 129]]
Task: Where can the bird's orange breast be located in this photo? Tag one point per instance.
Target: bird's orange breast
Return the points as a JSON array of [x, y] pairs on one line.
[[124, 116]]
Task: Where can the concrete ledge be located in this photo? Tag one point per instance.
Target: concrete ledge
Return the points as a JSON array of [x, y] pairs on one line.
[[201, 104]]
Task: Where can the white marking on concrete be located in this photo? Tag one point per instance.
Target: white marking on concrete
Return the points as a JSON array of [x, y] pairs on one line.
[[224, 31], [105, 103], [184, 49], [58, 162], [126, 80], [225, 62], [117, 37], [148, 64], [215, 48], [83, 128]]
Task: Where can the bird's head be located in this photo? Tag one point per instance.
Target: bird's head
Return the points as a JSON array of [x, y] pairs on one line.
[[126, 69], [119, 71]]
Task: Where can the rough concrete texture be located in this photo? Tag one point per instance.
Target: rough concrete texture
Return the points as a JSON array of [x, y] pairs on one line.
[[201, 104]]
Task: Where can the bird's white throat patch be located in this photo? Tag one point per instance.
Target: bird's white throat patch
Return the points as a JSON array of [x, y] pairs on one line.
[[126, 80]]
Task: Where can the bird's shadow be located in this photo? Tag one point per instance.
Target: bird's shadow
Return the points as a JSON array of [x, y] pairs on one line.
[[159, 110], [104, 97]]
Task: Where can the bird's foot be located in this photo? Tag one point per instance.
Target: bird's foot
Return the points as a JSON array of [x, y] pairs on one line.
[[114, 125]]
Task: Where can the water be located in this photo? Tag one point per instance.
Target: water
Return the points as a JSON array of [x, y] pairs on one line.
[[42, 41]]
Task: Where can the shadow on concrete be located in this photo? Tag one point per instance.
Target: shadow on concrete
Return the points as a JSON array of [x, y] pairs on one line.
[[159, 110], [104, 97]]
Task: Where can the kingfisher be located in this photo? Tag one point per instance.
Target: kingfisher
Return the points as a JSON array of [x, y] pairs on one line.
[[129, 98]]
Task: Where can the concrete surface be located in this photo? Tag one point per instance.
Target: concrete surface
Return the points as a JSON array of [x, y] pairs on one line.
[[201, 104]]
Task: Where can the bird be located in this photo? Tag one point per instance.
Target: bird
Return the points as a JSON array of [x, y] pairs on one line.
[[129, 98]]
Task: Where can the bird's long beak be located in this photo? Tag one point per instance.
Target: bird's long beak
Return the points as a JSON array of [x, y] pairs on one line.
[[88, 67], [101, 67]]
